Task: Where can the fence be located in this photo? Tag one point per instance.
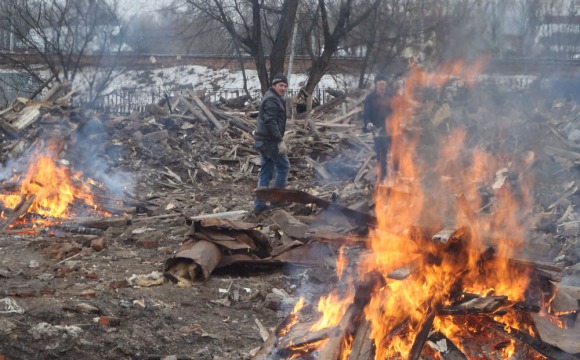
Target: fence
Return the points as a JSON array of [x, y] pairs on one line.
[[126, 100]]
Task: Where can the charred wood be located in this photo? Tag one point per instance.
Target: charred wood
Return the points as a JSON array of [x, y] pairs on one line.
[[445, 347], [20, 210], [549, 351]]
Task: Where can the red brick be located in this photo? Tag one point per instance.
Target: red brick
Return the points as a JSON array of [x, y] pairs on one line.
[[98, 244]]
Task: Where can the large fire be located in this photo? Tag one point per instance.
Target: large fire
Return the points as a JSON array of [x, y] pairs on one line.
[[50, 190], [439, 194]]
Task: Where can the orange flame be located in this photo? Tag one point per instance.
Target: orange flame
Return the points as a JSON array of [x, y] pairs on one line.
[[293, 317], [54, 187], [430, 197]]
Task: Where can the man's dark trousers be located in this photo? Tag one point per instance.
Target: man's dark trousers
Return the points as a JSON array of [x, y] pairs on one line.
[[271, 159], [382, 144]]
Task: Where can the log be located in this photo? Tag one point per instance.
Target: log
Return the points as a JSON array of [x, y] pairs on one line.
[[100, 223]]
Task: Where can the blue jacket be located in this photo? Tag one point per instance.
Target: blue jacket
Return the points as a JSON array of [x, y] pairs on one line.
[[271, 124]]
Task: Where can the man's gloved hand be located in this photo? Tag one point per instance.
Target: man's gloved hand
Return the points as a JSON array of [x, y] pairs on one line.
[[370, 127], [282, 148]]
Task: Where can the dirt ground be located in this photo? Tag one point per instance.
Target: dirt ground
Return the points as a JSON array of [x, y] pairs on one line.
[[67, 304]]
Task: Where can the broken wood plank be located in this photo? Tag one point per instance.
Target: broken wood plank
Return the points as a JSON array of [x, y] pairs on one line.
[[20, 210], [362, 346], [208, 113], [320, 170], [445, 347], [423, 333], [301, 336], [198, 114], [353, 316], [550, 351], [28, 115], [479, 305], [447, 234]]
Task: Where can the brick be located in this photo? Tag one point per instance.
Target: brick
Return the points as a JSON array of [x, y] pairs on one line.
[[98, 244]]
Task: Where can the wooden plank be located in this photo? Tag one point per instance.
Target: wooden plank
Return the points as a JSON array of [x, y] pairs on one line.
[[549, 351], [320, 170], [362, 346], [422, 335], [195, 111], [352, 317], [445, 347], [479, 305], [20, 210], [207, 112], [447, 234]]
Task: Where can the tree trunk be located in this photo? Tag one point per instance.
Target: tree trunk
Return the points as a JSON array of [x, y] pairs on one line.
[[283, 36]]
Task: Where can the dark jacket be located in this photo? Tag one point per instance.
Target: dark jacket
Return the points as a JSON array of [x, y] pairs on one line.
[[271, 123], [377, 110]]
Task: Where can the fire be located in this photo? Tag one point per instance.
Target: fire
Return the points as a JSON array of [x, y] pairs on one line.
[[293, 317], [332, 307], [52, 188], [439, 194], [431, 285], [341, 262]]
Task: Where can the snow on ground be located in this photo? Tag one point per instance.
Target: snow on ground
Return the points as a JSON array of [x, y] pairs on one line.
[[201, 77]]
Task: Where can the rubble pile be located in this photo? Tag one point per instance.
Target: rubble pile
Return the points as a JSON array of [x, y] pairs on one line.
[[186, 170]]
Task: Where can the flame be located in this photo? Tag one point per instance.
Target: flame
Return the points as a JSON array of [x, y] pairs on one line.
[[439, 194], [293, 317], [341, 263], [53, 187], [442, 268], [332, 308]]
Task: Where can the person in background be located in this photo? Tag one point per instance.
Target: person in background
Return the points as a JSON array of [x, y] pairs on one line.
[[269, 138], [376, 114]]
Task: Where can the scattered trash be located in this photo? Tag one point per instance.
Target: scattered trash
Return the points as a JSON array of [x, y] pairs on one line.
[[11, 307]]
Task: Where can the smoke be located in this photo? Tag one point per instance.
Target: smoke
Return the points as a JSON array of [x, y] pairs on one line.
[[93, 153]]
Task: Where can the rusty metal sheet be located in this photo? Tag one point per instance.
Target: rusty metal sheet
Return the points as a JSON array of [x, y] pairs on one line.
[[310, 254], [204, 253]]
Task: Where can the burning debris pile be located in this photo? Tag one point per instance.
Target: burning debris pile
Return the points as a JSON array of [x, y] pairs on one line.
[[443, 264], [459, 250]]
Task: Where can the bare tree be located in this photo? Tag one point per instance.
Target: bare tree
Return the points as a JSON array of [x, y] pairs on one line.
[[58, 35], [261, 28], [327, 27]]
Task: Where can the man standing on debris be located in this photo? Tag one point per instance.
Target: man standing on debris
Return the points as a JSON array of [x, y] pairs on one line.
[[377, 111], [269, 136]]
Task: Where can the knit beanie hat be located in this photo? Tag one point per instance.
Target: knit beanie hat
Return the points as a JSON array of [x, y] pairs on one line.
[[279, 78]]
